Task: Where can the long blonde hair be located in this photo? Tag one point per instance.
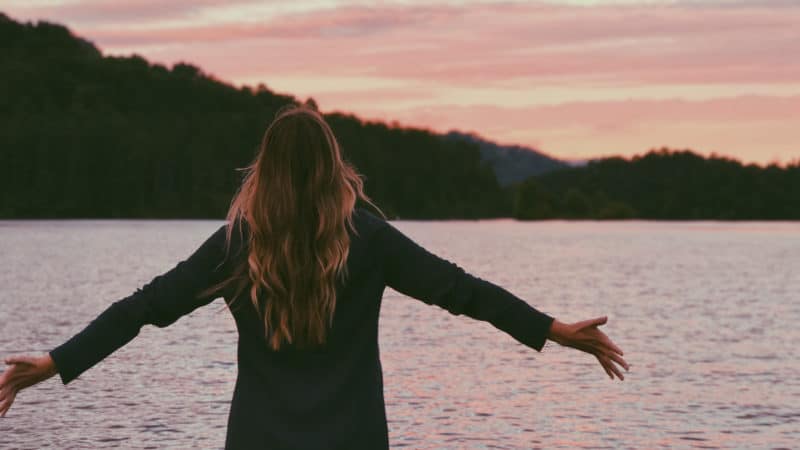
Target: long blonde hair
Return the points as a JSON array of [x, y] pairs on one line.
[[296, 199]]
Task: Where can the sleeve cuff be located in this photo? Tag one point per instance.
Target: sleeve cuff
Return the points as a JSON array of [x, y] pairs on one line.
[[528, 325], [60, 359]]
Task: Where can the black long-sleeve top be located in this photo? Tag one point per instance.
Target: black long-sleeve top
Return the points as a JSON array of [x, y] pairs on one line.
[[327, 398]]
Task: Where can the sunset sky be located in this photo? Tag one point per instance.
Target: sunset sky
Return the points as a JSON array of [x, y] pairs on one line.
[[575, 79]]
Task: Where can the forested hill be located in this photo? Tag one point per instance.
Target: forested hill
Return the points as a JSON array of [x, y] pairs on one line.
[[511, 163], [87, 135], [664, 184], [83, 135]]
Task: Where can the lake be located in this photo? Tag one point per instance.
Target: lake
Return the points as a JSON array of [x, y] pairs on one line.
[[708, 314]]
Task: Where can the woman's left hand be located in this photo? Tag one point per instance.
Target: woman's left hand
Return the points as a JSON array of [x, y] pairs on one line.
[[23, 372]]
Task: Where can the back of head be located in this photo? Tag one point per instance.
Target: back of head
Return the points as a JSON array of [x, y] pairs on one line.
[[297, 199]]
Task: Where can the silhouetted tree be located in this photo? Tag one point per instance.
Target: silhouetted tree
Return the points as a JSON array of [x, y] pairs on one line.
[[87, 135]]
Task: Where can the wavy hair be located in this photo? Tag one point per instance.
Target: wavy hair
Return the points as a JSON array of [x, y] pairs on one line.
[[297, 200]]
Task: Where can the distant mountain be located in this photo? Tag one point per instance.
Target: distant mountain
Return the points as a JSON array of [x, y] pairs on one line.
[[512, 163]]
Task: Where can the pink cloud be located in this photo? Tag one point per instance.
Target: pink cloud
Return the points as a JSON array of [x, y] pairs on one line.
[[510, 47], [481, 44], [470, 45], [751, 128], [603, 114], [104, 12], [344, 23]]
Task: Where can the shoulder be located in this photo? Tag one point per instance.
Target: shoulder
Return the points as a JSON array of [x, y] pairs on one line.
[[368, 221], [238, 233]]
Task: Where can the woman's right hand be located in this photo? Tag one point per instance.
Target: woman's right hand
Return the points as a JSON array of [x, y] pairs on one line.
[[585, 336], [23, 371]]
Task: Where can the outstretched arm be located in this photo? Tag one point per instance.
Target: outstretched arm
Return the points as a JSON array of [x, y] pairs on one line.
[[414, 271], [160, 302]]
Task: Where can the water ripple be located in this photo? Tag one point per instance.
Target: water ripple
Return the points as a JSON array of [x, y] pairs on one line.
[[706, 313]]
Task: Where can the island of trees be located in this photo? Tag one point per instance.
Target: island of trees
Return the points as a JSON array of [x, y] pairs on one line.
[[83, 135]]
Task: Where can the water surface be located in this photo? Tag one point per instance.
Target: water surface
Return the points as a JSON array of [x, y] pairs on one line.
[[707, 314]]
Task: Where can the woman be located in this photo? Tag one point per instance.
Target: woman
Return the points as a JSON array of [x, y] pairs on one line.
[[302, 269]]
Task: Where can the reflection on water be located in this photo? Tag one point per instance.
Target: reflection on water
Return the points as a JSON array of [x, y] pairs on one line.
[[706, 312]]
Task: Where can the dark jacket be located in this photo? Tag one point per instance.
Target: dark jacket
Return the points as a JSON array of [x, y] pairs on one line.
[[327, 398]]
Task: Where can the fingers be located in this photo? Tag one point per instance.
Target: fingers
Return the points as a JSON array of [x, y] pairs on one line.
[[592, 322], [597, 340], [618, 359], [585, 336], [17, 371], [7, 395], [6, 399], [610, 374], [22, 372], [606, 362], [607, 342], [611, 352], [20, 360], [19, 376]]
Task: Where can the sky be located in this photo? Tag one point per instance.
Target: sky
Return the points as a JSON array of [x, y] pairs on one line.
[[574, 79]]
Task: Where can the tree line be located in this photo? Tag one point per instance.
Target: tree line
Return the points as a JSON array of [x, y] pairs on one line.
[[83, 135], [664, 184]]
